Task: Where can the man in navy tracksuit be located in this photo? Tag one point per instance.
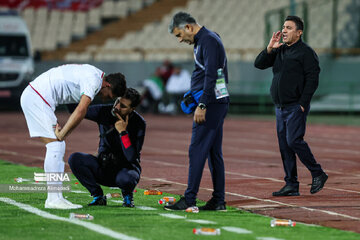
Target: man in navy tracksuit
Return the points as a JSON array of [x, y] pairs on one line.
[[122, 132], [296, 76], [207, 131]]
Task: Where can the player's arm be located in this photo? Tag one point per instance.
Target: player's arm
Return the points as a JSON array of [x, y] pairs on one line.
[[130, 149], [211, 63], [75, 118]]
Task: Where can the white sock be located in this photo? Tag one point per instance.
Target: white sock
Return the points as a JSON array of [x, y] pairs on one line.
[[54, 162]]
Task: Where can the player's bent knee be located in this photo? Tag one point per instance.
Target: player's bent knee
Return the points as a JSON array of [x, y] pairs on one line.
[[74, 159]]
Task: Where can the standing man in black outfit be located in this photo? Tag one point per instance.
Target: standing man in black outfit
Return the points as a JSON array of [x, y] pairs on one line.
[[296, 77], [209, 115], [122, 132]]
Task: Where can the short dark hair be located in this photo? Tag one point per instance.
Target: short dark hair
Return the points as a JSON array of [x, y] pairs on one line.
[[133, 95], [117, 82], [179, 20], [297, 20]]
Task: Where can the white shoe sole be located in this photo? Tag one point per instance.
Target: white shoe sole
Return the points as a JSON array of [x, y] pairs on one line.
[[72, 204], [60, 204]]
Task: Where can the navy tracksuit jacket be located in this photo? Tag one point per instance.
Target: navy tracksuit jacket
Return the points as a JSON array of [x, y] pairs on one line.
[[125, 149]]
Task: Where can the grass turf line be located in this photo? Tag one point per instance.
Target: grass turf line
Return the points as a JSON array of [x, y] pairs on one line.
[[16, 223]]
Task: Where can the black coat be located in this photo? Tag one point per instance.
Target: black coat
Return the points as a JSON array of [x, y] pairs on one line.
[[296, 73]]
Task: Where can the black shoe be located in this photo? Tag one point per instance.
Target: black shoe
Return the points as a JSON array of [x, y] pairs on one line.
[[128, 201], [318, 183], [98, 201], [212, 205], [287, 191], [179, 205]]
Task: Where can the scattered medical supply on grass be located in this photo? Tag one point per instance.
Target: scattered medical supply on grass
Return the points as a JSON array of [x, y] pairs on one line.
[[206, 231], [167, 201], [113, 195], [81, 216], [192, 209], [152, 192], [282, 222]]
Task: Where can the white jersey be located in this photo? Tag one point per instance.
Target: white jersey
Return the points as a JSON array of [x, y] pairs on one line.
[[67, 83]]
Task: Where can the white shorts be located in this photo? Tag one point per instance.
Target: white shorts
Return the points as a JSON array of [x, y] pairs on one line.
[[40, 117]]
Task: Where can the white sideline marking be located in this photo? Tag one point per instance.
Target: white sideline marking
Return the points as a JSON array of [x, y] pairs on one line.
[[173, 216], [146, 208], [237, 230], [91, 226], [263, 200], [78, 191], [257, 177], [268, 238], [201, 221], [259, 206], [117, 201]]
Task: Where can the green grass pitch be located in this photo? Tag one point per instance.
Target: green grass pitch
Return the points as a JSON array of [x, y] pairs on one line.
[[16, 223]]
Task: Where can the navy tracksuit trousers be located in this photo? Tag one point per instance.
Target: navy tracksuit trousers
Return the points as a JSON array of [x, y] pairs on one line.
[[88, 171], [206, 143], [290, 125]]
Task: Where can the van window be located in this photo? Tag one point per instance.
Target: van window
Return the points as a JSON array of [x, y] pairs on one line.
[[13, 46]]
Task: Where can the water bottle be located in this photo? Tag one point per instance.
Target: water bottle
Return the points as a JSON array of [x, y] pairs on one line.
[[282, 222], [81, 216], [113, 195], [152, 192], [206, 231], [167, 201]]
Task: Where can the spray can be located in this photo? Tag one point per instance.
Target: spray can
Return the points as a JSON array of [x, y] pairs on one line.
[[81, 216], [152, 192], [206, 231], [282, 222]]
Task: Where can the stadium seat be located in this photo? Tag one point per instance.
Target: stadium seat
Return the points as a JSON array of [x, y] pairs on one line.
[[94, 18], [79, 25]]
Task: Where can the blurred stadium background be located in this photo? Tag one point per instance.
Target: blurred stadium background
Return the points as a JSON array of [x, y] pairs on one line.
[[131, 36]]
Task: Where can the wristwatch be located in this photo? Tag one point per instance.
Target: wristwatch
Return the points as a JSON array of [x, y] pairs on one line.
[[123, 133], [202, 106]]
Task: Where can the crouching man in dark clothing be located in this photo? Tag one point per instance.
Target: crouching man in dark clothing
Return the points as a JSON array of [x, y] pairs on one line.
[[122, 132]]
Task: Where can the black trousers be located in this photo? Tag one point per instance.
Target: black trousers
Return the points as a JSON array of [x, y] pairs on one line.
[[291, 125], [88, 171]]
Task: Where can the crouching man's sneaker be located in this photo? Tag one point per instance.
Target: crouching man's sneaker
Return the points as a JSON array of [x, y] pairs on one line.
[[213, 205], [98, 201], [128, 201], [179, 205], [287, 191], [318, 183]]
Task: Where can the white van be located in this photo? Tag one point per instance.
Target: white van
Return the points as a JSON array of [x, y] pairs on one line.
[[16, 61]]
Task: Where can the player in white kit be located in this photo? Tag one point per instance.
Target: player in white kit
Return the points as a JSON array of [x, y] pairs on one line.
[[72, 83]]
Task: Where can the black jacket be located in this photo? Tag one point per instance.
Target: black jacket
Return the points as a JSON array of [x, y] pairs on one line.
[[296, 73], [126, 153]]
